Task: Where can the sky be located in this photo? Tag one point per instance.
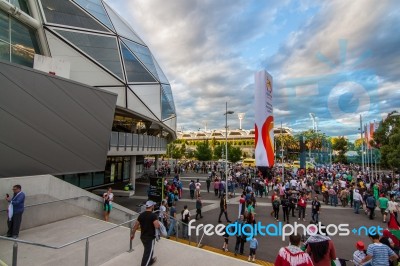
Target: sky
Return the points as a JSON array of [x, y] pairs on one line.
[[335, 59]]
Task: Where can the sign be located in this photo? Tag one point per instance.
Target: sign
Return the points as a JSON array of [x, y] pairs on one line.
[[156, 189], [264, 119], [54, 66]]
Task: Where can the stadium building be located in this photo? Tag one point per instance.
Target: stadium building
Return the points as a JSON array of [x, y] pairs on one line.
[[82, 96]]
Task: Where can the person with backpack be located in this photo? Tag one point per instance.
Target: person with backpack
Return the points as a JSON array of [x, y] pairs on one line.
[[185, 221], [275, 205]]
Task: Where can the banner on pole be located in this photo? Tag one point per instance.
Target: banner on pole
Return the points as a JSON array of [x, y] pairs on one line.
[[264, 120]]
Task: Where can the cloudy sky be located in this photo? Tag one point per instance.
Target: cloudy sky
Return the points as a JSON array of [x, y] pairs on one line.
[[336, 59]]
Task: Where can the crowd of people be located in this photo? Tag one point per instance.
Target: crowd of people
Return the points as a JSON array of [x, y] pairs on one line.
[[292, 196]]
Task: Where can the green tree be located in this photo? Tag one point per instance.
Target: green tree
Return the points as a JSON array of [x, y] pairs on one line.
[[339, 144], [234, 154], [203, 151], [387, 140], [174, 151]]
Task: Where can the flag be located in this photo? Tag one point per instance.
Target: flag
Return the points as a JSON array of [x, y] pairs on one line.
[[264, 120]]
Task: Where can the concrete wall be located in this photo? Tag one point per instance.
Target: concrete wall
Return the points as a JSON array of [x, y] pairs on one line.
[[45, 188]]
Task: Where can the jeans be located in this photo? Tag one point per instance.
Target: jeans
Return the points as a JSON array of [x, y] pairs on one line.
[[333, 200], [285, 214], [302, 212], [315, 216], [239, 246], [356, 206], [371, 213], [171, 228], [185, 231], [226, 215], [276, 213], [191, 194]]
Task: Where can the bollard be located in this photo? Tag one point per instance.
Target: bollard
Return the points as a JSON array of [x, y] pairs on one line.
[[15, 254], [130, 244], [87, 252]]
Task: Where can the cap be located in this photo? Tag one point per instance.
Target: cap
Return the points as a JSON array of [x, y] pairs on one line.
[[360, 245], [150, 203]]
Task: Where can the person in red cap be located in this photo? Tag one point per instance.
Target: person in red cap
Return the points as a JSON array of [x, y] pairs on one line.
[[360, 254]]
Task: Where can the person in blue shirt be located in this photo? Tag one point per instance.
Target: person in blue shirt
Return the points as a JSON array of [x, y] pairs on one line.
[[253, 249], [15, 210], [378, 253]]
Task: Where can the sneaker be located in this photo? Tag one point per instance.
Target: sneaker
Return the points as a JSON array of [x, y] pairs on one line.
[[229, 221], [304, 220], [298, 219], [253, 260], [226, 250], [219, 222], [249, 259]]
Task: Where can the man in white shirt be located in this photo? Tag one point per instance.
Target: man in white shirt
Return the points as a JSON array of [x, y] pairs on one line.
[[357, 200]]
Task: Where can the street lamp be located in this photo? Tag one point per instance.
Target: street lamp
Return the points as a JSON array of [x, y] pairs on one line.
[[226, 149]]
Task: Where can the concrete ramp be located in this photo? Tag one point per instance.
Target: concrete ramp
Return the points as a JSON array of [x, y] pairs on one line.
[[102, 247]]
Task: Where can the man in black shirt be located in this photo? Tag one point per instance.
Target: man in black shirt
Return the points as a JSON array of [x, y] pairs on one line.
[[148, 223]]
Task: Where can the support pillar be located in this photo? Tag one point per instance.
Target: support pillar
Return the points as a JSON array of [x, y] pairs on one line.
[[132, 173]]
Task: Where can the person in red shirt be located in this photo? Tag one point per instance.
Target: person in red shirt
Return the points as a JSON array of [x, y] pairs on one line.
[[292, 255], [301, 204]]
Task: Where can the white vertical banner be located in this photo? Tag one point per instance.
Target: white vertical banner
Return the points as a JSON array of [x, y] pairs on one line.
[[264, 119]]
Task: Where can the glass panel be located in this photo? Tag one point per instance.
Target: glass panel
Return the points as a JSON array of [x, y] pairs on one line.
[[101, 48], [143, 53], [168, 93], [85, 180], [121, 26], [66, 13], [4, 51], [4, 27], [95, 8], [135, 72], [21, 4], [24, 44], [166, 109], [98, 178], [73, 179], [162, 77]]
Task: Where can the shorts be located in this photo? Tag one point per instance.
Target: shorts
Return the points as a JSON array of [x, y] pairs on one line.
[[383, 211], [252, 251], [107, 207], [226, 240]]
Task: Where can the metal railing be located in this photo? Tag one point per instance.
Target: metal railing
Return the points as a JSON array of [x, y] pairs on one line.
[[16, 241], [136, 142]]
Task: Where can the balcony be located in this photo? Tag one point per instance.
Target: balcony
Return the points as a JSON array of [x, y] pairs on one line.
[[135, 144]]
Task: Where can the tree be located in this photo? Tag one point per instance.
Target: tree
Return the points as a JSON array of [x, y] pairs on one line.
[[339, 144], [174, 151], [203, 151], [234, 154], [387, 140]]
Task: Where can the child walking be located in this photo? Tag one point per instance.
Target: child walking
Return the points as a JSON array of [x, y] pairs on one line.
[[253, 248]]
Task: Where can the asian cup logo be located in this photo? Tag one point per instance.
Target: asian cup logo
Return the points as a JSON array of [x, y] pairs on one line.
[[269, 85], [340, 95]]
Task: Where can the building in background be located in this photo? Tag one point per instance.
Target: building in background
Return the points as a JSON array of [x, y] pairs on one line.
[[91, 64]]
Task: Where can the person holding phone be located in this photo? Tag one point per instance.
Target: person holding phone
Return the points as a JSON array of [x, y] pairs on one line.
[[15, 211]]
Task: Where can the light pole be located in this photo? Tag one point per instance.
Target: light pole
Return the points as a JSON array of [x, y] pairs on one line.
[[226, 149], [362, 145]]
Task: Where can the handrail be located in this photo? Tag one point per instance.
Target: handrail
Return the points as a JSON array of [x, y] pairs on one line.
[[66, 244], [16, 241]]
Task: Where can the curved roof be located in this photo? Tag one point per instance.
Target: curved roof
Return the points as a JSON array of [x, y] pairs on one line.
[[104, 51]]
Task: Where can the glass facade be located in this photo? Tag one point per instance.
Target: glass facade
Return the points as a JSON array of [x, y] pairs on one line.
[[95, 8], [135, 72], [66, 13], [103, 48], [144, 55], [117, 170], [18, 43]]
